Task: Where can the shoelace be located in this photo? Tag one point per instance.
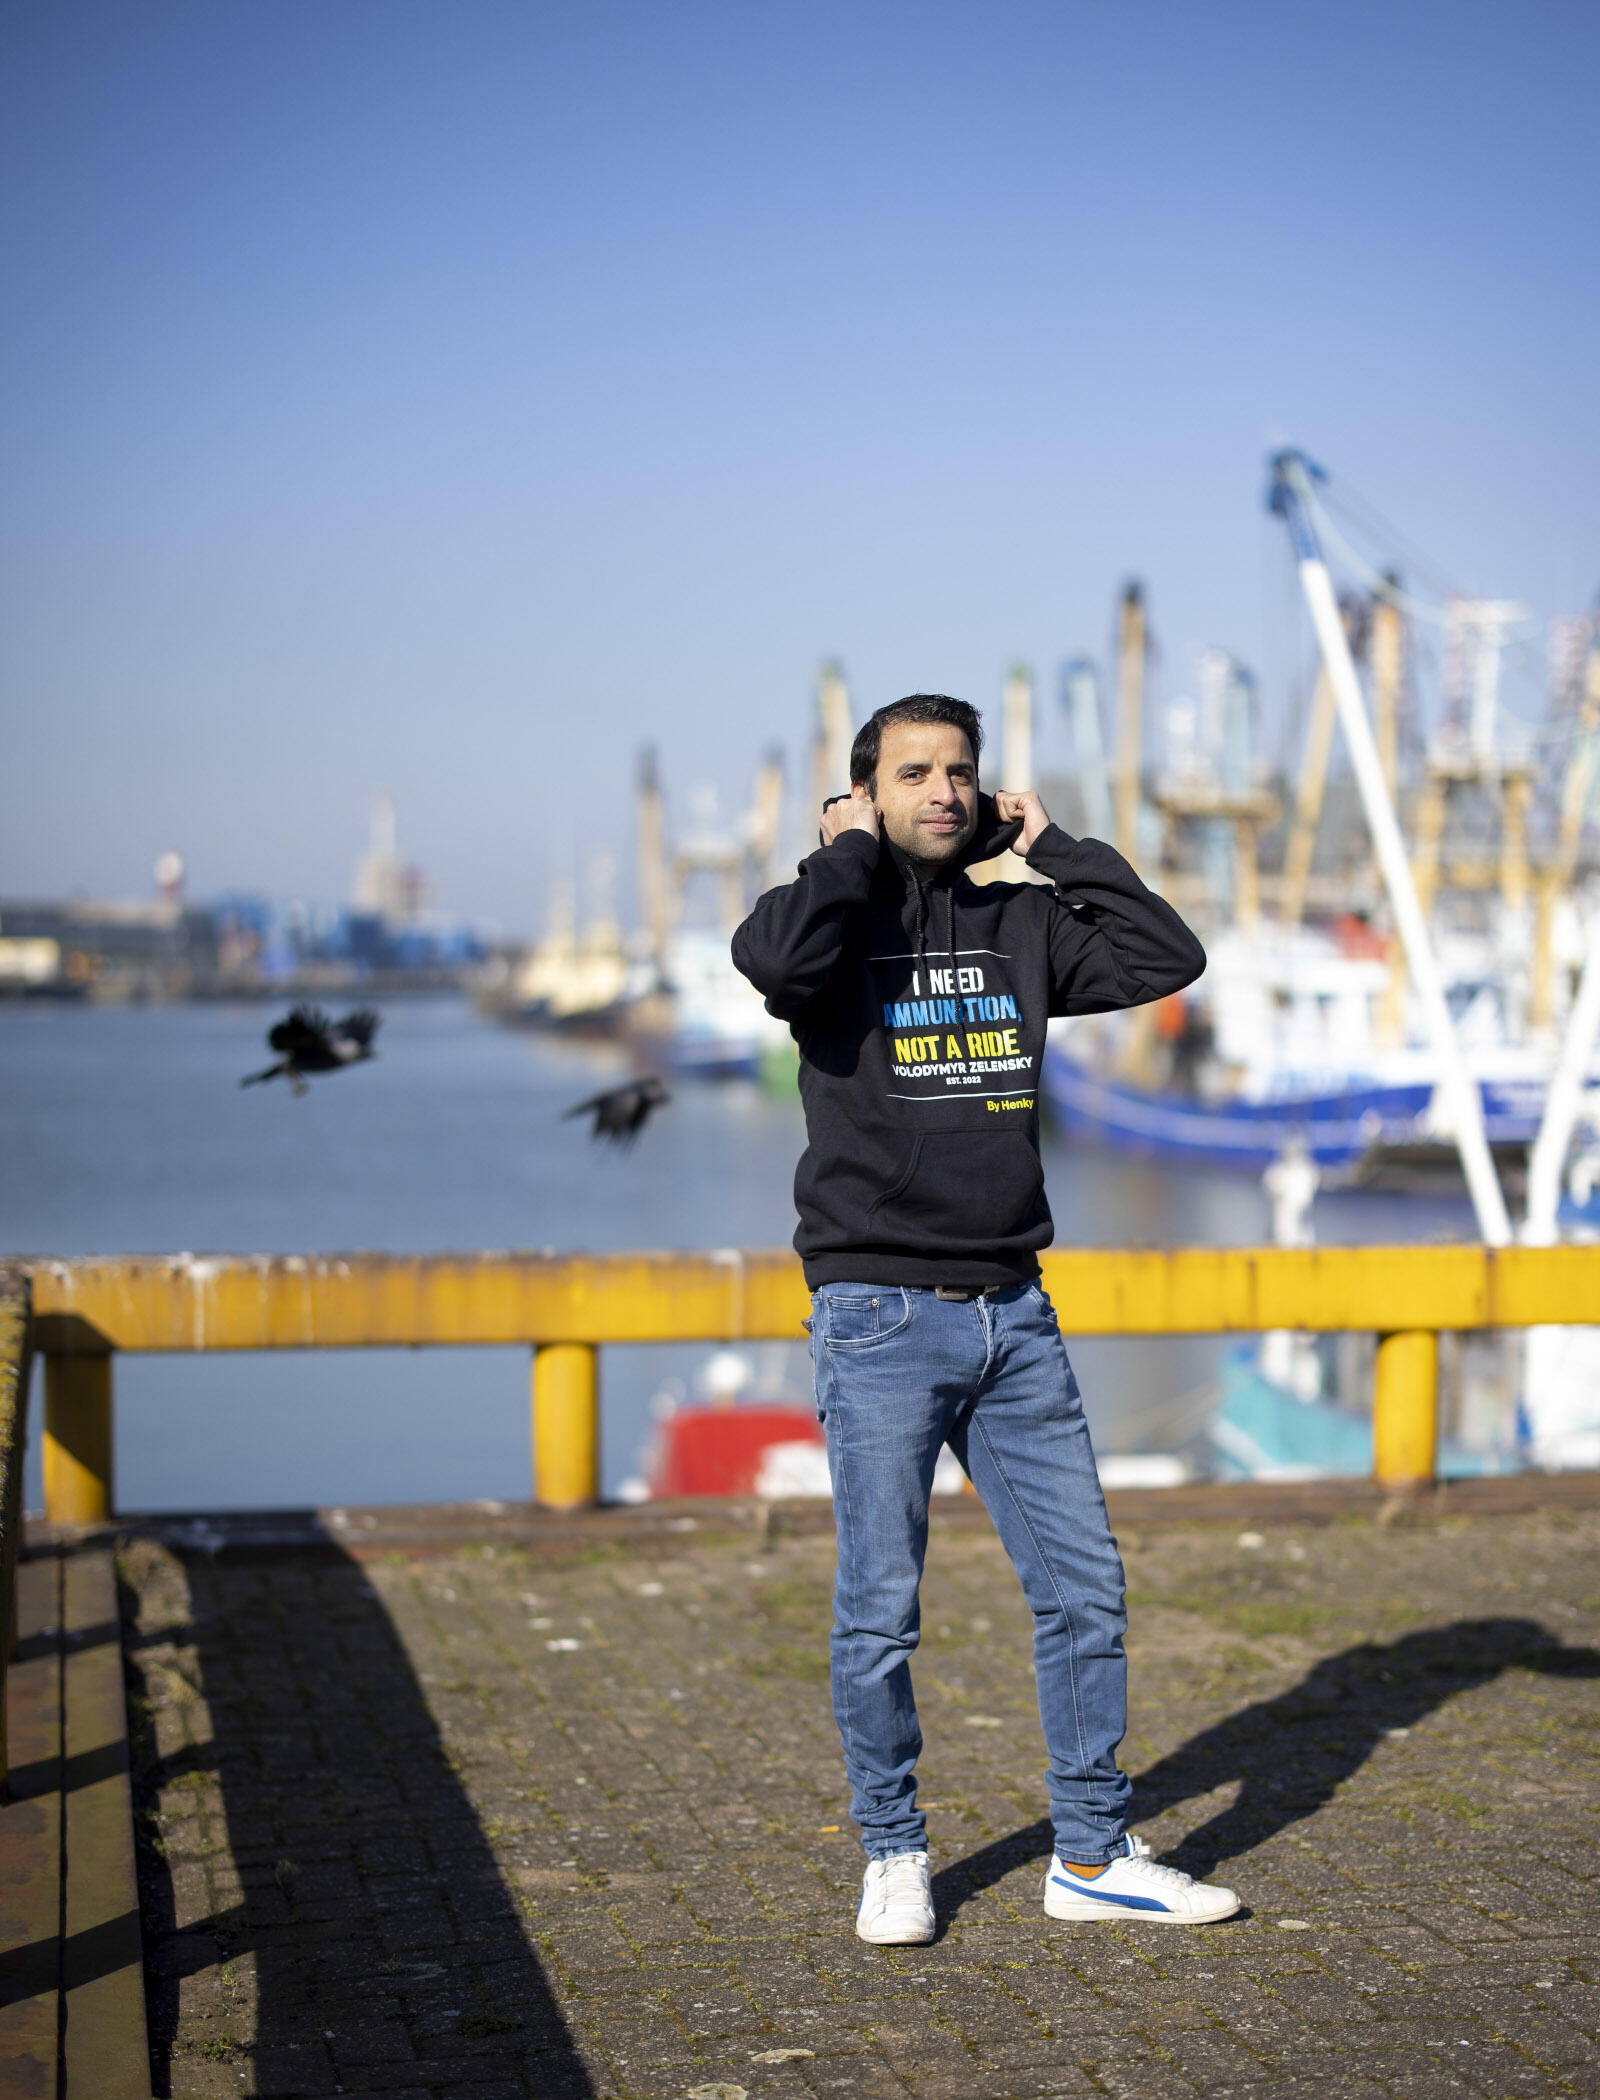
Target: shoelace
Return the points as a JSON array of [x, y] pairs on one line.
[[901, 1875], [1139, 1859]]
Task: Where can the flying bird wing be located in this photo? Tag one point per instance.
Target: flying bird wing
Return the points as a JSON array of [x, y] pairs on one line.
[[360, 1027], [621, 1111], [583, 1108], [305, 1029]]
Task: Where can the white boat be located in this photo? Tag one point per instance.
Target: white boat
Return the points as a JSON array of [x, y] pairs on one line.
[[719, 1027]]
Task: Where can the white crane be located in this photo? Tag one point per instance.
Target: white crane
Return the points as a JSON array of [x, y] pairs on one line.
[[1290, 497]]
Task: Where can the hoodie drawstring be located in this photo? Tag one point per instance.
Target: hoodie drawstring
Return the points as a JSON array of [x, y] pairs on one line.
[[919, 941]]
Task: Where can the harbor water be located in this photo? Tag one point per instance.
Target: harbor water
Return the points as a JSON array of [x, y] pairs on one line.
[[127, 1132]]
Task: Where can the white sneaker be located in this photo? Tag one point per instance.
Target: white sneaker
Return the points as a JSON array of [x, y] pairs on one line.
[[896, 1901], [1135, 1887]]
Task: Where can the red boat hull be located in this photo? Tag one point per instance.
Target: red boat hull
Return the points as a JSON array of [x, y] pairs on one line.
[[718, 1450]]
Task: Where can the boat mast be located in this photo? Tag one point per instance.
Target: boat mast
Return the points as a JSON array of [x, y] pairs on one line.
[[1016, 731], [830, 752], [1131, 643], [1557, 878], [1563, 1102], [1290, 497], [1016, 769], [1209, 776], [764, 824], [650, 851], [1386, 653], [1083, 706], [1307, 804]]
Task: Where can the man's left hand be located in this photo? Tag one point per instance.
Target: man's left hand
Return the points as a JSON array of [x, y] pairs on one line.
[[1030, 809]]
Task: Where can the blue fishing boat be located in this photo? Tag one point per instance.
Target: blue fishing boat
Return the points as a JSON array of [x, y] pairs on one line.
[[1340, 1127]]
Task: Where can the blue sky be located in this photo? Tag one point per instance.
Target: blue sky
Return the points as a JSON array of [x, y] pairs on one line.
[[445, 397]]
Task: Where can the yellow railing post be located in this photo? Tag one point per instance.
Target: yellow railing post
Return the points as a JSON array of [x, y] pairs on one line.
[[566, 1425], [77, 1439], [1405, 1409], [16, 1345]]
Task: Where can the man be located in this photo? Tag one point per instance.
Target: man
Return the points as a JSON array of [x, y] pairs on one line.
[[919, 1000]]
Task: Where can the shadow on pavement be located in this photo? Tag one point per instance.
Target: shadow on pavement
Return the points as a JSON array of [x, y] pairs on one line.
[[966, 1878], [387, 1947], [1292, 1752]]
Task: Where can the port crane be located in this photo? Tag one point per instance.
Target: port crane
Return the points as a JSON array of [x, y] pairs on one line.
[[1291, 497]]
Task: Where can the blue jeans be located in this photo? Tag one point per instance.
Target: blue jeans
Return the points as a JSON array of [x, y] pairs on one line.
[[899, 1373]]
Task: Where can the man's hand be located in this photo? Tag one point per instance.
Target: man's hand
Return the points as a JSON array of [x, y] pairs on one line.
[[1030, 809], [852, 812]]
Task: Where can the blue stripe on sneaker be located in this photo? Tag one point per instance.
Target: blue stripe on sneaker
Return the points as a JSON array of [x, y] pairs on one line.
[[1087, 1888]]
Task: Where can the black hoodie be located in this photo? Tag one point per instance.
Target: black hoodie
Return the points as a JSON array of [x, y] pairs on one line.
[[919, 1005]]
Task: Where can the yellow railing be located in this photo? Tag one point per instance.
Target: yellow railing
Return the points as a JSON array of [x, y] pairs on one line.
[[567, 1306], [15, 1342]]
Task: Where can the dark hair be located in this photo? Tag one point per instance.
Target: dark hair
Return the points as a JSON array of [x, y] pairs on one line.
[[916, 707]]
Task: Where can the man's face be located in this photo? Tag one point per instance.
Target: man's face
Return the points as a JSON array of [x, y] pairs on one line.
[[927, 790]]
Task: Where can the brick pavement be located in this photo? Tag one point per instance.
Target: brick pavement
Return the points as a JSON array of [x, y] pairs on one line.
[[485, 1825]]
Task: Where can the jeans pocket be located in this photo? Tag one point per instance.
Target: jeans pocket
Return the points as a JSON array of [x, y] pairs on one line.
[[856, 1320]]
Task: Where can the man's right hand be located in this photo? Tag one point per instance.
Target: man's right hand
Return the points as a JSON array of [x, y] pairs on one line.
[[852, 812]]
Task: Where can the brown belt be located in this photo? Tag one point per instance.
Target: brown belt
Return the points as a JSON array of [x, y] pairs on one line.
[[964, 1293]]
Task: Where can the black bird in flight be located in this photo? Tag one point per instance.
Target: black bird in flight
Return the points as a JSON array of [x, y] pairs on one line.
[[309, 1042], [622, 1112]]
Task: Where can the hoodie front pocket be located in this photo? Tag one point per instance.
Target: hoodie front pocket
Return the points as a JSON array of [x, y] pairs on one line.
[[901, 1182], [964, 1191]]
